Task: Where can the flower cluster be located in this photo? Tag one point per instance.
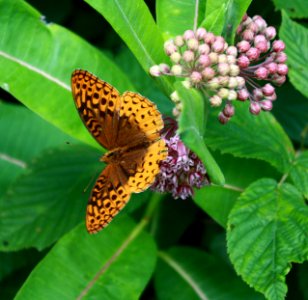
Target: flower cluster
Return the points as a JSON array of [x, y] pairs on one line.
[[181, 171], [227, 73]]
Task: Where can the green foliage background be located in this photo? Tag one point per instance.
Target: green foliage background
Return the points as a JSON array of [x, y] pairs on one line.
[[243, 237]]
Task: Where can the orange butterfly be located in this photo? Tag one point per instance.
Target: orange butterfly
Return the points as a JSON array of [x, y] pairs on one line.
[[129, 127]]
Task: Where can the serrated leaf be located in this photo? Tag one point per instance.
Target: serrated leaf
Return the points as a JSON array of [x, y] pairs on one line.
[[95, 266], [23, 136], [191, 129], [36, 66], [174, 17], [48, 199], [217, 201], [299, 173], [133, 22], [295, 37], [249, 136], [188, 273], [267, 230], [295, 8], [224, 16]]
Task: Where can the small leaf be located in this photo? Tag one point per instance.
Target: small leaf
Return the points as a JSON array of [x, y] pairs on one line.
[[188, 273], [95, 266], [191, 129], [295, 37], [299, 173], [48, 199], [267, 231], [249, 136]]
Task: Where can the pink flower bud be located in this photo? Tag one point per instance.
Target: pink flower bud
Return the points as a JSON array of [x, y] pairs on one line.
[[188, 34], [155, 71], [254, 108], [200, 33], [278, 46], [195, 77], [204, 49], [240, 82], [208, 73], [209, 38], [262, 46], [223, 93], [279, 80], [282, 69], [192, 44], [188, 56], [213, 84], [215, 101], [248, 35], [231, 50], [213, 57], [242, 95], [164, 68], [271, 67], [222, 58], [204, 60], [253, 53], [259, 38], [270, 32], [260, 22], [176, 70], [268, 90], [175, 57], [232, 95], [218, 46], [272, 97], [231, 59], [223, 68], [234, 70], [222, 118], [243, 46], [253, 27], [178, 41], [169, 48], [266, 105], [281, 57], [232, 83], [261, 73], [243, 61], [257, 94], [229, 110]]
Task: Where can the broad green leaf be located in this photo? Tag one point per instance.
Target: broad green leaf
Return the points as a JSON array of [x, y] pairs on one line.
[[295, 8], [267, 230], [299, 173], [23, 136], [115, 264], [224, 16], [36, 63], [191, 129], [291, 110], [217, 201], [133, 22], [250, 136], [188, 273], [174, 17], [48, 199], [295, 37]]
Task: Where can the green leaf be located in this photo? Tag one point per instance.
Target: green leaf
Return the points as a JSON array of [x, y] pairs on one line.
[[133, 22], [191, 129], [299, 173], [174, 17], [48, 199], [224, 16], [295, 8], [295, 37], [188, 273], [95, 265], [217, 201], [250, 136], [267, 230], [44, 56], [291, 110]]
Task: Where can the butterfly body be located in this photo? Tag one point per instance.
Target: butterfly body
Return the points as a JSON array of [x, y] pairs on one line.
[[128, 126]]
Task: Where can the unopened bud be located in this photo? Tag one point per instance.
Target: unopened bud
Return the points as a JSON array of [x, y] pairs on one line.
[[254, 108], [176, 70], [215, 101], [155, 71]]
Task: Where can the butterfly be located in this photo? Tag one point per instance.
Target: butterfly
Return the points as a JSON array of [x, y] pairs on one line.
[[128, 126]]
